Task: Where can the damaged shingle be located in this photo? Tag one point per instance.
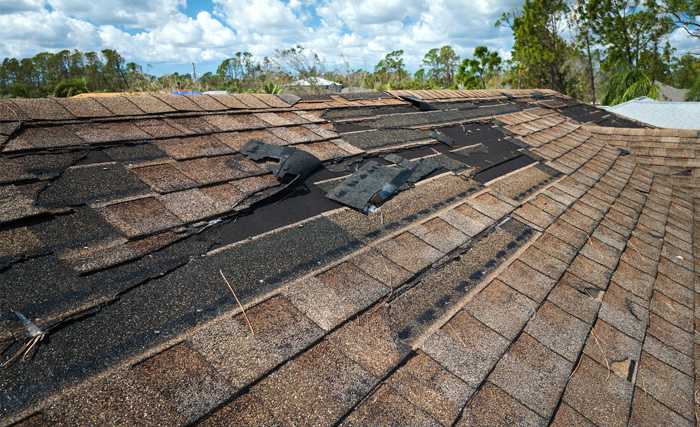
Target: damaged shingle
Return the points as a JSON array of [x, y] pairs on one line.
[[293, 162]]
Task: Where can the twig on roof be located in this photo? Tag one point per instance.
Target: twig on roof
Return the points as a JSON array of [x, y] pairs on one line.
[[250, 325], [26, 351], [602, 352]]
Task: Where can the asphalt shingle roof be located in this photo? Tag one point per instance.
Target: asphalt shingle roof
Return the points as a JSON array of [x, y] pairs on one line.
[[552, 279]]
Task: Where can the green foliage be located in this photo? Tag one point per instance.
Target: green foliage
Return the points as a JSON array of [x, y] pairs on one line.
[[540, 51], [629, 83], [685, 71], [684, 15], [441, 64], [694, 92], [271, 88], [70, 87], [69, 72], [473, 73], [391, 69], [632, 32]]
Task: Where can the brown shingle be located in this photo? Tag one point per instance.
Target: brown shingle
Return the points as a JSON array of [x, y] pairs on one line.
[[295, 134], [633, 280], [647, 411], [53, 137], [466, 347], [430, 387], [614, 350], [490, 206], [323, 150], [197, 146], [140, 216], [527, 281], [335, 295], [281, 331], [228, 122], [178, 102], [316, 388], [580, 301], [150, 104], [532, 374], [157, 128], [206, 102], [163, 178], [674, 291], [229, 101], [409, 252], [119, 105], [218, 169], [502, 309], [624, 311], [236, 140], [109, 132], [669, 355], [385, 406], [493, 407], [250, 100], [467, 219], [673, 312], [42, 109], [372, 341], [83, 107], [440, 234], [594, 393], [667, 385], [558, 331], [189, 205], [186, 380], [670, 335], [543, 262], [590, 271], [121, 398], [381, 268]]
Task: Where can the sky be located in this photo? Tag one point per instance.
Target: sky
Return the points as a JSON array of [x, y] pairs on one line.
[[168, 35]]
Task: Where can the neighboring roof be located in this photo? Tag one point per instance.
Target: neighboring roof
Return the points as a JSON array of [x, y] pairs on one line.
[[670, 93], [673, 115], [314, 81], [540, 270]]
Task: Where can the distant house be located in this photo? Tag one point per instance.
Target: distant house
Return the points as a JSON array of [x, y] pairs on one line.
[[319, 83], [663, 114], [670, 93]]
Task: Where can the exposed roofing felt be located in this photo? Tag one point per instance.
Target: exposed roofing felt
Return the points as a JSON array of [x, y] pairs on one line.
[[540, 270], [664, 114]]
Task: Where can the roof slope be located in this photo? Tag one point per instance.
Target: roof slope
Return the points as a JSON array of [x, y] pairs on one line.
[[543, 271], [665, 114]]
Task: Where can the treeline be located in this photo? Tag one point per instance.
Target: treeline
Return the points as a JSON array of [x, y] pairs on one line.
[[602, 51]]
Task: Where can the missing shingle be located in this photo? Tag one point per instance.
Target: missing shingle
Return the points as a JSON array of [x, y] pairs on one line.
[[593, 293], [624, 368]]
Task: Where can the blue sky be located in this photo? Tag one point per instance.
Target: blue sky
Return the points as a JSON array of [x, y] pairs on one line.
[[168, 35]]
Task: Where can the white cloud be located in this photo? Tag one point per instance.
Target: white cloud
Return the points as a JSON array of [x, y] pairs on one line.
[[358, 32], [130, 13]]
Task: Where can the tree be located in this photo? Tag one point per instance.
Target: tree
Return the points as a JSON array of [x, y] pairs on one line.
[[540, 52], [627, 84], [630, 31], [685, 71], [441, 64], [391, 68], [473, 73], [694, 92], [299, 62], [684, 14]]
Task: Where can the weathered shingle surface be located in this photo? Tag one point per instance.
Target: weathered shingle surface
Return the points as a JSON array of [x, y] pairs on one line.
[[550, 280]]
